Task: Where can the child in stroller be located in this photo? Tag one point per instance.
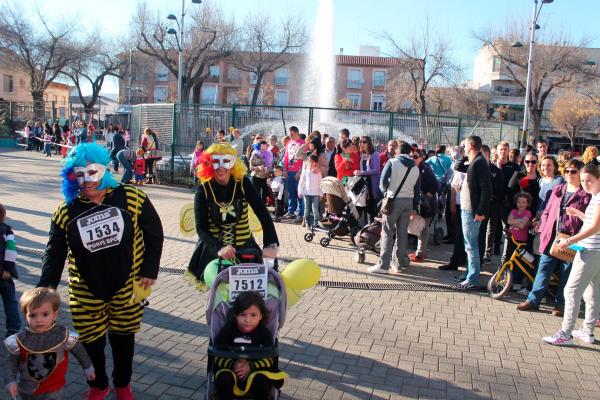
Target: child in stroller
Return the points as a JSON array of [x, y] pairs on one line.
[[341, 216], [243, 349]]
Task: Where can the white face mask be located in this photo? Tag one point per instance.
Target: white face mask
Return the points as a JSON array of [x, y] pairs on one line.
[[90, 173], [226, 161]]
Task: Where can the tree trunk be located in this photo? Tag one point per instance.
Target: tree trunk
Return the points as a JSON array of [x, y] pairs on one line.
[[39, 110], [259, 78], [536, 120], [196, 94], [185, 93]]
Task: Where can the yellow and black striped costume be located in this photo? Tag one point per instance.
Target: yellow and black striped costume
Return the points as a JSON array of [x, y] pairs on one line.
[[221, 213], [101, 282]]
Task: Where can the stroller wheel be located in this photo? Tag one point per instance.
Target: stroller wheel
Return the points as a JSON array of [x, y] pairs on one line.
[[309, 237], [324, 242], [438, 236], [359, 257]]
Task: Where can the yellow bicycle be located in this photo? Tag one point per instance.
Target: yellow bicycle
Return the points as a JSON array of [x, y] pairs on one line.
[[501, 282]]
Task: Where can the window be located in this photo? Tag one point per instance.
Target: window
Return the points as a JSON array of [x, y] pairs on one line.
[[496, 64], [208, 95], [213, 70], [281, 98], [233, 96], [8, 84], [233, 73], [251, 94], [355, 79], [161, 93], [253, 78], [22, 83], [281, 76], [354, 99], [377, 102], [378, 79], [161, 73]]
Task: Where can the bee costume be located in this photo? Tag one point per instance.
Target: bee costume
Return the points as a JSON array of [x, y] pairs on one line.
[[108, 246], [221, 211]]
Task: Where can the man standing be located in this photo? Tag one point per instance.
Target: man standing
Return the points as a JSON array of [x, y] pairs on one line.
[[486, 237], [389, 153], [399, 181], [440, 164], [502, 205], [292, 168], [542, 149], [475, 198], [330, 154]]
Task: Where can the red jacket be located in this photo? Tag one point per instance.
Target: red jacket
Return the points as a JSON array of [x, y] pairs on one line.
[[345, 166], [139, 166]]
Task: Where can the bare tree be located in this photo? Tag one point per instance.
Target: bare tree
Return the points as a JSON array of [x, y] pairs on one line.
[[458, 100], [36, 47], [557, 63], [266, 46], [95, 64], [422, 62], [209, 39], [573, 113]]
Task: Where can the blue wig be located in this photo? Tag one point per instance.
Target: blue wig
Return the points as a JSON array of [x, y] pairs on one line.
[[81, 156]]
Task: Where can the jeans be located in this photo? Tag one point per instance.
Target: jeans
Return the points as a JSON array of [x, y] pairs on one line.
[[546, 267], [311, 210], [128, 173], [471, 233], [11, 305], [396, 224], [292, 189], [584, 280], [48, 148], [423, 241]]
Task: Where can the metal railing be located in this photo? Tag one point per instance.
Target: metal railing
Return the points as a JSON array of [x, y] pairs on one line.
[[180, 127]]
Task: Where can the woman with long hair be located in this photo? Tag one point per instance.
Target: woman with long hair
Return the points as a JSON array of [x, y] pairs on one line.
[[347, 161], [549, 180], [590, 155], [151, 148], [371, 170]]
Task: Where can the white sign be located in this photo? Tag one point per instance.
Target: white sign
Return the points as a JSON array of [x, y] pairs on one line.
[[247, 278], [102, 229]]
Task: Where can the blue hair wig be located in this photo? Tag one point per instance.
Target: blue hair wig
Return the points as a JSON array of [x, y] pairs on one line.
[[81, 156]]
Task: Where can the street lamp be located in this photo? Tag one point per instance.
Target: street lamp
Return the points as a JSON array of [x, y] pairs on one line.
[[180, 45], [533, 28]]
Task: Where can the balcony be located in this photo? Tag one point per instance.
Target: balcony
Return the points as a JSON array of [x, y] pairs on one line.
[[355, 83], [509, 92]]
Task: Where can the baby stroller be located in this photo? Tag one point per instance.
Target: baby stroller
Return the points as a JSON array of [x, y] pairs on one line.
[[217, 309], [368, 239], [341, 217]]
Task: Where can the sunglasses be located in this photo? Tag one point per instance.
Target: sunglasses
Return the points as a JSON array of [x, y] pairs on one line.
[[571, 171], [530, 161], [363, 141]]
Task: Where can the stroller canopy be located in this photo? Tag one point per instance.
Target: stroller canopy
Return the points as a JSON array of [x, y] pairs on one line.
[[330, 185]]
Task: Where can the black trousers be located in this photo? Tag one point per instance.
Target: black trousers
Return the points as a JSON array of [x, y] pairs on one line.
[[122, 351], [261, 386], [459, 256], [261, 185]]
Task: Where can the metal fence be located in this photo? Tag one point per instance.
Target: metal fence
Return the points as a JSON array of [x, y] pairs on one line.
[[180, 127]]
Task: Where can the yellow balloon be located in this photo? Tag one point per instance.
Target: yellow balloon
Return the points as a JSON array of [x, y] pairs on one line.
[[301, 274], [187, 220], [293, 296]]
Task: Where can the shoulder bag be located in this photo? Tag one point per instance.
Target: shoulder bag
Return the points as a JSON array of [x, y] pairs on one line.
[[387, 205], [566, 255]]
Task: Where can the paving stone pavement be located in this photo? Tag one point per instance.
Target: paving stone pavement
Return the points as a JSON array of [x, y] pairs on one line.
[[337, 343]]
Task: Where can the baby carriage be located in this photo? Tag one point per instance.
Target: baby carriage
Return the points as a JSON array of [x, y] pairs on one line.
[[368, 239], [218, 307], [341, 217]]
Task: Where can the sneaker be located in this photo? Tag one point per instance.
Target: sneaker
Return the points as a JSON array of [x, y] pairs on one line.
[[584, 337], [98, 394], [289, 216], [416, 257], [460, 278], [448, 267], [124, 393], [298, 219], [526, 306], [395, 269], [375, 269], [466, 285], [559, 339], [516, 287], [558, 312]]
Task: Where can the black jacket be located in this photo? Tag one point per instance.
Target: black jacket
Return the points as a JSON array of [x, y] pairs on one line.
[[498, 185], [479, 180]]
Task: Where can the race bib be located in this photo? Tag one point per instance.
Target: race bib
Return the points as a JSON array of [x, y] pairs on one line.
[[247, 278], [101, 230]]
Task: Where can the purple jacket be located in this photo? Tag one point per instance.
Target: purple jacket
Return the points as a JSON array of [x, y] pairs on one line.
[[570, 225], [374, 171]]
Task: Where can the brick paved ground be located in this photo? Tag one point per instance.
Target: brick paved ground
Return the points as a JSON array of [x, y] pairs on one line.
[[337, 343]]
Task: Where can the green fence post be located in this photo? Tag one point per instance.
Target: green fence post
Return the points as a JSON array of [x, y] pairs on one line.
[[173, 139], [391, 127], [458, 131], [233, 116], [310, 120], [501, 126]]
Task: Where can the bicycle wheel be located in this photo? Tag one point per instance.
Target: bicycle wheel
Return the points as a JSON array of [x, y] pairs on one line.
[[501, 282]]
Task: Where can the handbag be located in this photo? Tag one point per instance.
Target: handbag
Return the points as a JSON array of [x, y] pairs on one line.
[[416, 225], [567, 254], [425, 207], [387, 205]]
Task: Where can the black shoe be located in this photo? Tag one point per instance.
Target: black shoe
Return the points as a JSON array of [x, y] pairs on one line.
[[460, 278], [448, 267], [466, 286]]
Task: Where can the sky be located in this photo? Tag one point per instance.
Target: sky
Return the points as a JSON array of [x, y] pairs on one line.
[[358, 22]]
